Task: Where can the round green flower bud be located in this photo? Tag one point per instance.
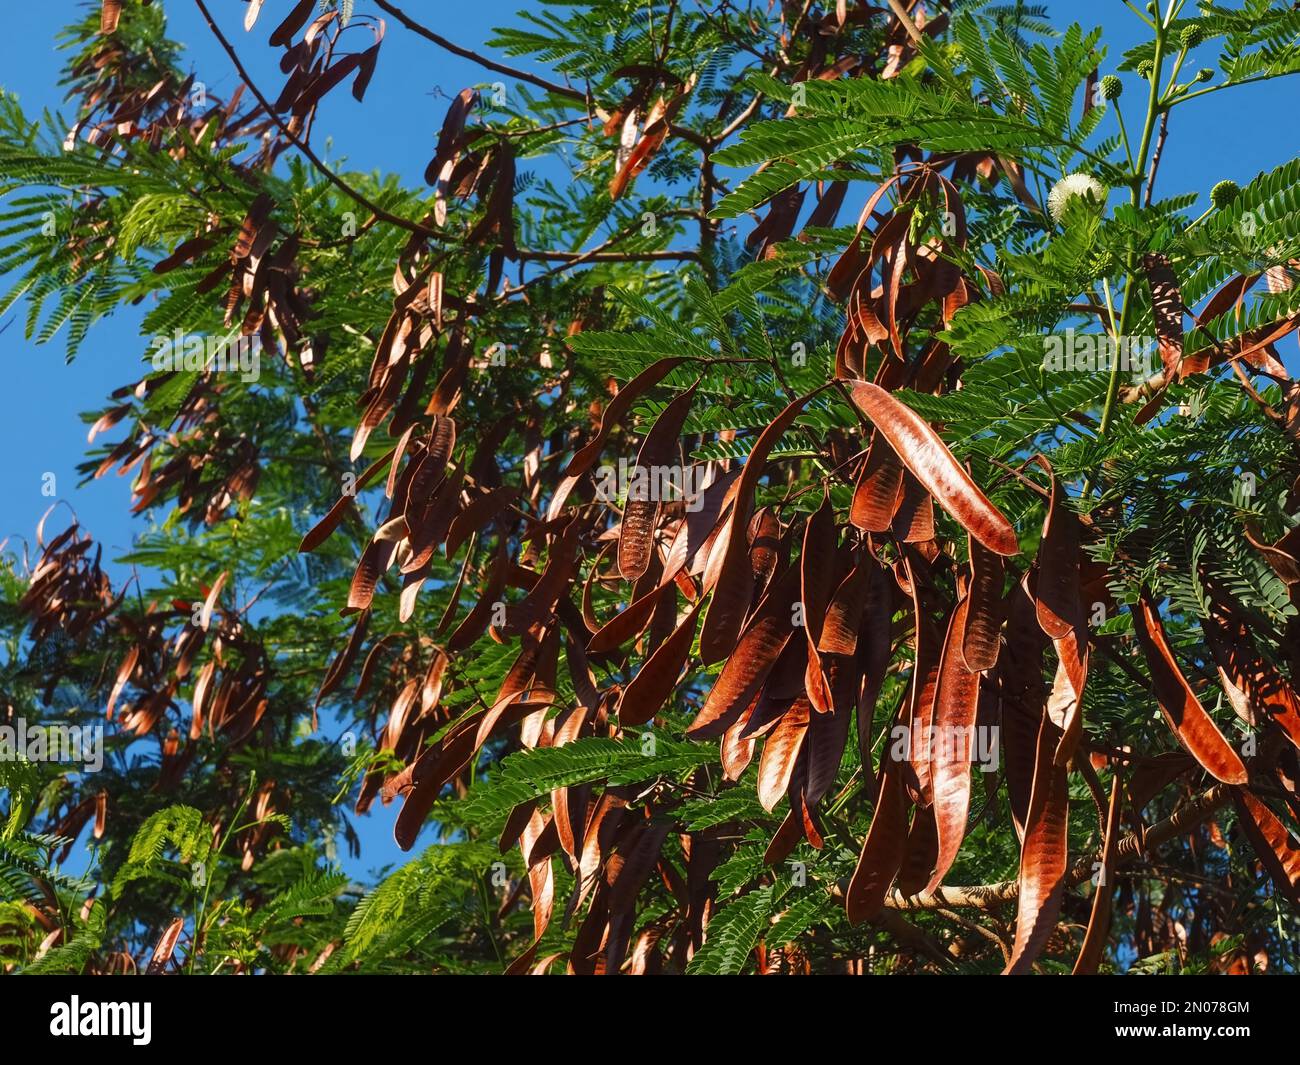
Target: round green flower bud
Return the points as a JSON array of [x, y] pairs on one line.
[[1144, 69], [1191, 35], [1111, 87], [1204, 74], [1224, 193]]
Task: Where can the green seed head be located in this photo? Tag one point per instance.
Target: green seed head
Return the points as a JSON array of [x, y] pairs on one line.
[[1204, 74], [1144, 69], [1111, 87], [1191, 35], [1224, 193]]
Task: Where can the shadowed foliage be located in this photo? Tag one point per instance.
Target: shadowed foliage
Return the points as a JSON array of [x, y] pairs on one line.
[[786, 494]]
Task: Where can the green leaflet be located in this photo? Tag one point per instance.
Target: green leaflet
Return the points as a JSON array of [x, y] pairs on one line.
[[732, 935], [180, 829], [528, 774]]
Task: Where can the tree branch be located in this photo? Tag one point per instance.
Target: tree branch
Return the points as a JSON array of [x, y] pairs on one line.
[[987, 896], [303, 146], [481, 60], [901, 14], [1155, 156], [572, 258]]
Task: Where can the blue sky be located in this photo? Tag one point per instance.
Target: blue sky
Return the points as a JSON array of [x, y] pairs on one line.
[[43, 397], [1226, 135]]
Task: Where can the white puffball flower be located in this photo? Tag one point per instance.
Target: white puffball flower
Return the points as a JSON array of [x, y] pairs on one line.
[[1073, 185]]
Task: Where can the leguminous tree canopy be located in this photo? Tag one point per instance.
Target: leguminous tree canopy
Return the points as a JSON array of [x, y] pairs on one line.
[[792, 488]]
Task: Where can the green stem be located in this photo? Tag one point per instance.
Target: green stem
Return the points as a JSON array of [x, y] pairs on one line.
[[486, 903], [1144, 146], [1168, 97], [1110, 309], [1228, 85], [1123, 136], [209, 873], [1139, 14]]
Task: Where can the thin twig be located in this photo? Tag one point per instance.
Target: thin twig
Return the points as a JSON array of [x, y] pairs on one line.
[[481, 60], [572, 258], [1155, 156], [979, 929]]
